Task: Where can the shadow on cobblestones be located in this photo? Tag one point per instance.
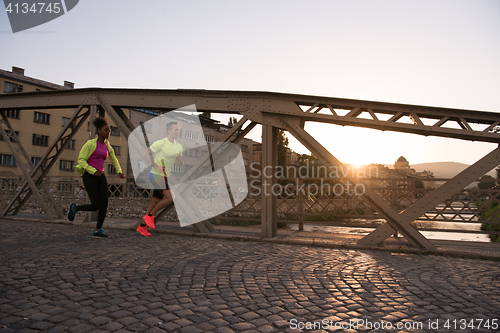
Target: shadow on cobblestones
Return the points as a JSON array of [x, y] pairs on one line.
[[56, 278]]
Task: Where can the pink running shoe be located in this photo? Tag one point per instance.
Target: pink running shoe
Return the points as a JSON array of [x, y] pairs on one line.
[[143, 231], [150, 221]]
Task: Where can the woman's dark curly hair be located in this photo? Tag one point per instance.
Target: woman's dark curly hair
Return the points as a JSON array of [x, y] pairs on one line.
[[99, 122]]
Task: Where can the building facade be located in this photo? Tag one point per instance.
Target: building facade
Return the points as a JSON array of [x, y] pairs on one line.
[[37, 130]]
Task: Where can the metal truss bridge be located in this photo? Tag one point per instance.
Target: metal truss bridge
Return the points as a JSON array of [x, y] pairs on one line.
[[273, 111]]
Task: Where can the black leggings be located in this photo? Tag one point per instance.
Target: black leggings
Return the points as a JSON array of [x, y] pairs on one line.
[[97, 189]]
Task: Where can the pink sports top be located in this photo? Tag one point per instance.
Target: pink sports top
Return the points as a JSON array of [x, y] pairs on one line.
[[97, 158]]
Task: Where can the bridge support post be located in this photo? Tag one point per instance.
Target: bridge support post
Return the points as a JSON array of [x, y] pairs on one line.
[[269, 200], [91, 216]]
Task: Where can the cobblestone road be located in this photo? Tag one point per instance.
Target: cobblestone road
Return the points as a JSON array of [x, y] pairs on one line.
[[56, 278]]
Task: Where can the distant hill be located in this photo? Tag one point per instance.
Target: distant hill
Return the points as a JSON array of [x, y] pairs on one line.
[[442, 169]]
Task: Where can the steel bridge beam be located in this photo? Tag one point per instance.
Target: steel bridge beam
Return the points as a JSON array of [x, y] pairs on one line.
[[432, 121]]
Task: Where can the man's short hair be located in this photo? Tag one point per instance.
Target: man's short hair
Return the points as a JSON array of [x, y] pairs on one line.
[[170, 124]]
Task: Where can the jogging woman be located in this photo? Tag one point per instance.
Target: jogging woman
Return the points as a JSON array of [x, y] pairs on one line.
[[91, 165]]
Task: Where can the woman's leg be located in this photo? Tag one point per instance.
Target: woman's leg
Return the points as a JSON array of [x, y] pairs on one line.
[[91, 186], [103, 201]]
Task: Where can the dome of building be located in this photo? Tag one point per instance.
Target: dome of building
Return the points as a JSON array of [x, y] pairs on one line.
[[402, 164], [401, 159]]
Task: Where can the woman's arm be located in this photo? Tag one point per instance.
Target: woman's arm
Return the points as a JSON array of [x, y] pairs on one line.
[[84, 156]]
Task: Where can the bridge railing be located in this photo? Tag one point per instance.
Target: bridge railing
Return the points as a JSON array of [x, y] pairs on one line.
[[318, 201], [299, 201]]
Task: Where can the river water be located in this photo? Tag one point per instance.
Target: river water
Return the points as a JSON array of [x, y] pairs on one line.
[[441, 235]]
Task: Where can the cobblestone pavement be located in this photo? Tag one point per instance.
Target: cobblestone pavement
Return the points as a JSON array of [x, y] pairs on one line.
[[56, 278]]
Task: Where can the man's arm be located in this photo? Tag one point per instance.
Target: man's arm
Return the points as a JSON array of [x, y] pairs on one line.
[[179, 160], [148, 158]]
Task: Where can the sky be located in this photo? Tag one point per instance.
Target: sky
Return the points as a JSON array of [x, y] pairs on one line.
[[423, 52]]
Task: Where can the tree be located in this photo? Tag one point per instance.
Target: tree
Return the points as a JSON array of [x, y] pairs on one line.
[[282, 148], [486, 182], [490, 210], [232, 121], [206, 114], [304, 158]]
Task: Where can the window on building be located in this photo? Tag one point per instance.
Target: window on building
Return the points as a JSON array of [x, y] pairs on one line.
[[209, 138], [192, 136], [9, 87], [153, 112], [66, 165], [192, 152], [176, 168], [8, 160], [71, 145], [114, 130], [42, 118], [148, 128], [40, 140], [36, 160], [244, 148], [12, 114], [116, 149], [65, 121], [111, 169], [11, 139]]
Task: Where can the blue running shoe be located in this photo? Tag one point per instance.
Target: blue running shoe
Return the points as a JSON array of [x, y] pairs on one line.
[[100, 234], [71, 212]]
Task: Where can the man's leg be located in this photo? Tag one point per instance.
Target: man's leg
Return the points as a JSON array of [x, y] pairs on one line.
[[161, 198], [167, 200], [154, 202]]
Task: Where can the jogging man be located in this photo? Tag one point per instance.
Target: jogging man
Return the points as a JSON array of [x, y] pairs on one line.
[[165, 152]]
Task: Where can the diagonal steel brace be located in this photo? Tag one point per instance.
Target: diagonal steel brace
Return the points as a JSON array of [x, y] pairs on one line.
[[292, 125]]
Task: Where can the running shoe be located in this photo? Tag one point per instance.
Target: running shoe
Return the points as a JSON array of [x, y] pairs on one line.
[[100, 234], [149, 220], [71, 212], [143, 231]]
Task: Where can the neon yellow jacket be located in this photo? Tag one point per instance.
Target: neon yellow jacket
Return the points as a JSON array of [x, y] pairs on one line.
[[88, 148]]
